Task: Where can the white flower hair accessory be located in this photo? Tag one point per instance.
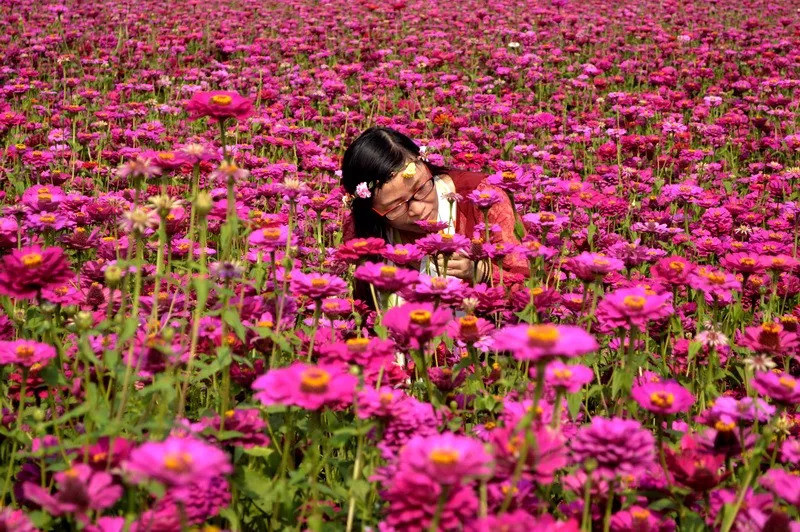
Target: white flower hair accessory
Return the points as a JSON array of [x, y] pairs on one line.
[[362, 190]]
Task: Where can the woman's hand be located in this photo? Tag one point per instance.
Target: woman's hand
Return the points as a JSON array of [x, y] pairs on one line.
[[458, 266]]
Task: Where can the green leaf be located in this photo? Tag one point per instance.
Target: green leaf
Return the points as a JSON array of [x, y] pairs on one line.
[[231, 317]]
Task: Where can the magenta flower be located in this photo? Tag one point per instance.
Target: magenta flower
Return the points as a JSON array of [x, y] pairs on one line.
[[744, 263], [639, 519], [445, 458], [15, 521], [783, 484], [620, 446], [80, 490], [443, 243], [543, 459], [26, 353], [545, 221], [778, 386], [402, 254], [469, 329], [385, 277], [544, 342], [633, 307], [306, 386], [675, 270], [769, 337], [25, 272], [714, 283], [664, 397], [316, 285], [416, 323], [484, 198], [219, 105], [177, 461], [567, 378], [590, 266], [270, 239]]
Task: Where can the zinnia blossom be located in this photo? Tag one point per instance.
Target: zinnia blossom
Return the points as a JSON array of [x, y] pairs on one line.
[[385, 277], [177, 461], [633, 307], [769, 337], [26, 353], [568, 378], [416, 323], [590, 266], [316, 285], [665, 397], [446, 458], [544, 341], [26, 271], [778, 386], [306, 386], [783, 484], [219, 105], [620, 446]]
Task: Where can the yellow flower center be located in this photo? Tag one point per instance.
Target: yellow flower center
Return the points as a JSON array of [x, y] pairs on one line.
[[386, 398], [357, 345], [677, 266], [166, 156], [360, 244], [562, 373], [271, 234], [420, 317], [388, 272], [716, 278], [319, 283], [640, 514], [543, 335], [444, 457], [547, 217], [536, 291], [469, 324], [25, 351], [401, 252], [509, 176], [787, 382], [662, 399], [178, 462], [47, 218], [315, 380], [440, 283], [722, 426], [221, 99], [31, 260], [265, 323], [634, 302], [747, 261], [600, 262]]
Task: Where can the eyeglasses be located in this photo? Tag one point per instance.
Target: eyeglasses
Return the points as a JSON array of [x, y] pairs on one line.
[[421, 193]]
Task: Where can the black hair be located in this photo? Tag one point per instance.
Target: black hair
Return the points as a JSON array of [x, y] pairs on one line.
[[377, 154]]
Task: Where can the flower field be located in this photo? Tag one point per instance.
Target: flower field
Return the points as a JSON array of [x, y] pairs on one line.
[[182, 342]]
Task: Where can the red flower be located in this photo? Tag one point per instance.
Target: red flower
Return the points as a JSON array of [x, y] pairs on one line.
[[25, 272]]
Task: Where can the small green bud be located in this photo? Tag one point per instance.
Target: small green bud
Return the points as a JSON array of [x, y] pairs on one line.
[[203, 203], [84, 320], [113, 275]]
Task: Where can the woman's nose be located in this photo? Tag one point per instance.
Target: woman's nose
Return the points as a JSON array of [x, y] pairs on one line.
[[416, 209]]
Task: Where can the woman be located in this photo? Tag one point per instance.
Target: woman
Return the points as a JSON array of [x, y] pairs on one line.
[[393, 188]]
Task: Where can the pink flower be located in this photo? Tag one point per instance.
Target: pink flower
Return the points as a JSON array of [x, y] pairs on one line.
[[359, 247], [15, 521], [316, 285], [545, 341], [416, 323], [674, 269], [484, 198], [402, 254], [769, 337], [544, 459], [445, 458], [665, 397], [26, 353], [640, 519], [783, 484], [80, 490], [469, 329], [620, 446], [568, 378], [270, 239], [306, 386], [385, 277], [25, 272], [362, 191], [744, 263], [177, 461], [778, 386], [590, 266], [443, 243], [219, 105], [633, 307], [714, 283]]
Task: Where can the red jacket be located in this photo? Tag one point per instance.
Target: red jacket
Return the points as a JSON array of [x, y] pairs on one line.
[[468, 216]]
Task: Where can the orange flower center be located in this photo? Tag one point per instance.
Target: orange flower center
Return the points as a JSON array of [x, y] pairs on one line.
[[357, 345], [662, 399], [388, 272], [469, 324], [271, 234], [401, 252], [634, 302], [787, 382], [562, 373], [640, 515], [722, 426], [166, 156], [547, 217], [444, 457], [265, 323], [221, 99], [420, 317], [25, 351], [315, 380], [677, 266], [386, 398], [440, 283], [319, 283], [716, 278], [31, 260], [747, 261], [178, 462], [543, 335]]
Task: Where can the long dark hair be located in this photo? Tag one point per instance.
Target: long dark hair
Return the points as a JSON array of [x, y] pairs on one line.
[[377, 154]]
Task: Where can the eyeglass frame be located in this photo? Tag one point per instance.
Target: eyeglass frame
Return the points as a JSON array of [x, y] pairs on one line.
[[407, 203]]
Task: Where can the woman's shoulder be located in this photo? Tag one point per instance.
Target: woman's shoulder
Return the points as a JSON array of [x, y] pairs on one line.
[[465, 181]]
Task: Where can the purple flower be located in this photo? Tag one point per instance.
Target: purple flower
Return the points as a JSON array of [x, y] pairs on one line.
[[25, 272], [446, 458], [306, 386], [567, 378], [416, 323], [778, 386], [633, 307], [783, 484], [620, 446], [385, 277], [316, 285]]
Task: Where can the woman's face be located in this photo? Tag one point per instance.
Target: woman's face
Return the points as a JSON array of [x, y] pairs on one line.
[[398, 192]]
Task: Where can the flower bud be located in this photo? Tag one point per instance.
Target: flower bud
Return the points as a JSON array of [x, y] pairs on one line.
[[113, 275], [84, 320], [203, 203]]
